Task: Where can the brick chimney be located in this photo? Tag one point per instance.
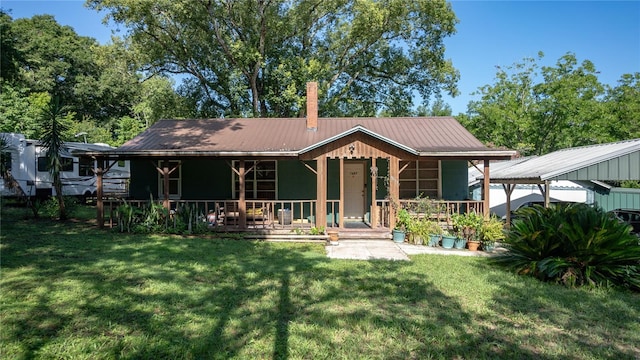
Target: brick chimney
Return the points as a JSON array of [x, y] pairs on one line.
[[312, 106]]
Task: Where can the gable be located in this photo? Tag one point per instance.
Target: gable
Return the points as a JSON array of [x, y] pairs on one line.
[[357, 145]]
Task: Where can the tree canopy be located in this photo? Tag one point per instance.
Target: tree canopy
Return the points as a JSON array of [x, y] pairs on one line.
[[539, 109], [97, 86], [253, 57]]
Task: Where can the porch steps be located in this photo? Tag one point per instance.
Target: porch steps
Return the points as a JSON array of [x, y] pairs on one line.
[[360, 234]]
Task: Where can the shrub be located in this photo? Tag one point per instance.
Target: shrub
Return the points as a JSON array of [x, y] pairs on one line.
[[575, 245]]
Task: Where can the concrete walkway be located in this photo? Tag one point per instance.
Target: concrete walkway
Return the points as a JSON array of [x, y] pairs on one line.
[[389, 250]]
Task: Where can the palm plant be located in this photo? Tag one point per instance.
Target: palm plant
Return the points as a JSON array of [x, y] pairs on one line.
[[52, 139], [573, 244]]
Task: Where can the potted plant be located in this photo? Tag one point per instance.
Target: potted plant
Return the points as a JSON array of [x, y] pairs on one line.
[[491, 231], [448, 239], [403, 220], [432, 231], [468, 225]]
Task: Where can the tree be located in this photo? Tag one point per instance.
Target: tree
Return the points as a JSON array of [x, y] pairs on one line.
[[53, 140], [10, 56], [624, 104], [537, 110], [438, 108], [253, 57], [56, 61]]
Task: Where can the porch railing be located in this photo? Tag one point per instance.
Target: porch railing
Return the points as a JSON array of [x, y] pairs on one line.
[[292, 214], [225, 214]]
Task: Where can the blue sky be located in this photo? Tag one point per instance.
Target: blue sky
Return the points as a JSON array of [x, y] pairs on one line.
[[490, 34]]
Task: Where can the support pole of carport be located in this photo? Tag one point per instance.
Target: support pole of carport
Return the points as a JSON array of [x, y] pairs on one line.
[[321, 191], [508, 189], [545, 193], [99, 203], [485, 190]]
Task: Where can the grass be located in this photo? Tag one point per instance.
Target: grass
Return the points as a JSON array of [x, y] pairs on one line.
[[69, 290]]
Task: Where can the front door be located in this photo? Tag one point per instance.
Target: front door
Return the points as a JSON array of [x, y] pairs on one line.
[[354, 190]]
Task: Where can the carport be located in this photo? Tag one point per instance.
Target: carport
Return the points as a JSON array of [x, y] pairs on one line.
[[616, 161]]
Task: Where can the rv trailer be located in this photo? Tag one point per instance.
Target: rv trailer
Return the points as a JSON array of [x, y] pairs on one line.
[[25, 170]]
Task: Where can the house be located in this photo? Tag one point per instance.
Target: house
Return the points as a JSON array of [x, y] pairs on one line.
[[287, 172]]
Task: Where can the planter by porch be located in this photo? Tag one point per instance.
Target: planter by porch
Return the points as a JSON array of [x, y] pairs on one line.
[[448, 241], [333, 237], [473, 245], [434, 240], [398, 235], [459, 243]]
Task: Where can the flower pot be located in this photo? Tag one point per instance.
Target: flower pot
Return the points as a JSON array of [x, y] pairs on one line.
[[333, 237], [488, 247], [398, 235], [448, 241], [473, 245], [434, 240], [459, 243]]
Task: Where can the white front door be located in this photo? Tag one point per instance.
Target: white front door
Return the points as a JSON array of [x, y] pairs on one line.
[[354, 190]]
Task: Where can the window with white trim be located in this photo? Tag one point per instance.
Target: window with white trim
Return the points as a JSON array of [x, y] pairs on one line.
[[419, 178], [175, 180], [260, 179]]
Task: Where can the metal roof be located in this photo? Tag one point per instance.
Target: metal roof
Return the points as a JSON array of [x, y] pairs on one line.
[[612, 161], [437, 136]]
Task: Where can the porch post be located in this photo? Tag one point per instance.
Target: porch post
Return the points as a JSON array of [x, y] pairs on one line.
[[342, 203], [394, 188], [242, 203], [485, 189], [321, 191], [373, 213], [165, 181], [99, 202]]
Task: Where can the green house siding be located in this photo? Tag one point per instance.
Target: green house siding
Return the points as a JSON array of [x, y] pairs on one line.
[[144, 180], [296, 181], [617, 198], [455, 181], [206, 179], [211, 179]]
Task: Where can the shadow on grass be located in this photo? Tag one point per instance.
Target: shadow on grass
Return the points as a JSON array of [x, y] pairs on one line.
[[127, 296], [599, 323]]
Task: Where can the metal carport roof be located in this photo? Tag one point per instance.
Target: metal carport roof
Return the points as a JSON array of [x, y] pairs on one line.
[[612, 161]]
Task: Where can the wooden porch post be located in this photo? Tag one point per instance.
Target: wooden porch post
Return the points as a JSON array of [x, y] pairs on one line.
[[321, 191], [242, 202], [99, 202], [394, 188], [165, 182], [485, 190], [373, 213], [342, 203]]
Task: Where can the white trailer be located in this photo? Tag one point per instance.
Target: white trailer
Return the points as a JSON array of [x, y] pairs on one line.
[[25, 164]]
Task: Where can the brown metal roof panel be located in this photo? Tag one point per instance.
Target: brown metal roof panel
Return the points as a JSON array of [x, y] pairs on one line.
[[427, 134]]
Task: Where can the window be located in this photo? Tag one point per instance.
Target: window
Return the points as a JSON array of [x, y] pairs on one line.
[[66, 164], [260, 180], [419, 178], [85, 167], [175, 180]]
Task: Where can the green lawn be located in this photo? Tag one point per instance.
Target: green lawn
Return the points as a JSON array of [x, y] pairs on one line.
[[72, 291]]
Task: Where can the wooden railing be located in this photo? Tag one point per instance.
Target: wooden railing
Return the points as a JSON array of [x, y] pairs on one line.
[[266, 214], [292, 214]]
